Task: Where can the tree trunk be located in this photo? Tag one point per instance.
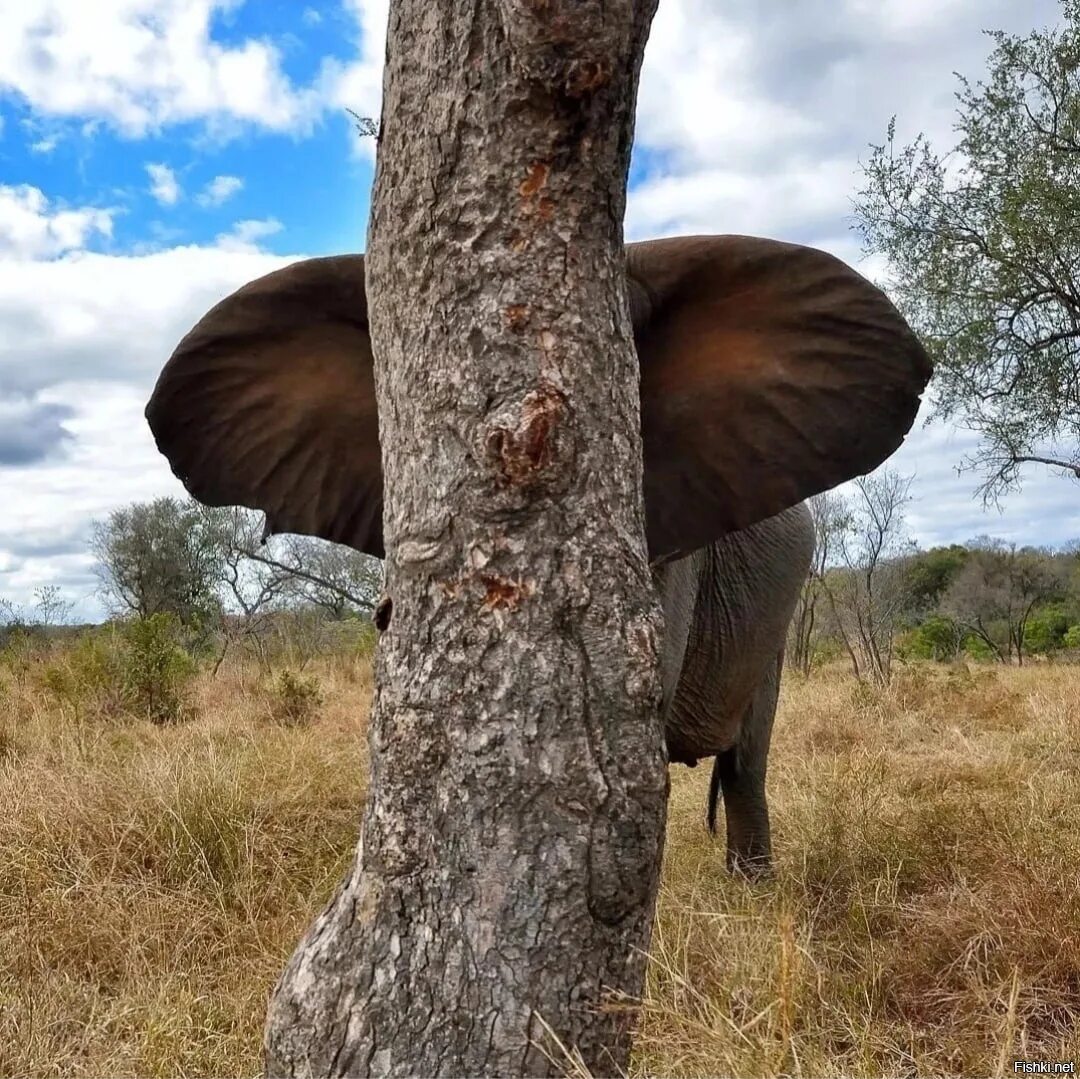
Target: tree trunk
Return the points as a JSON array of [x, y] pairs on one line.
[[802, 630], [834, 607], [507, 872]]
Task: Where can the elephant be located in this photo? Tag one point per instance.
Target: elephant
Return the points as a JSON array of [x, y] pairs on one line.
[[770, 371]]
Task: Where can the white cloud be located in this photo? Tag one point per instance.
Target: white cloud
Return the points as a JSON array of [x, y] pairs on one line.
[[799, 199], [164, 185], [755, 116], [220, 189], [910, 19], [698, 99], [358, 85], [140, 64], [78, 370], [108, 317], [245, 235], [31, 228], [31, 429]]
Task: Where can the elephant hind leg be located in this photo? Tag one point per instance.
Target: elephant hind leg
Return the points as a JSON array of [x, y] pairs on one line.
[[739, 773], [746, 813]]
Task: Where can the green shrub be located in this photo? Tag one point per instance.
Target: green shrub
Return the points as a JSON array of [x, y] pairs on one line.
[[1072, 637], [938, 637], [138, 668], [156, 669], [977, 648], [294, 699], [1046, 630], [20, 646], [87, 678]]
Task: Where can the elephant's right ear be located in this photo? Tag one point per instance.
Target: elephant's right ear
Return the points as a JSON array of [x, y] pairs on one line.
[[769, 372], [269, 402]]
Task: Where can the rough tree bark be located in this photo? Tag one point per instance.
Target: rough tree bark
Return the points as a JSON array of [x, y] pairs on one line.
[[511, 842]]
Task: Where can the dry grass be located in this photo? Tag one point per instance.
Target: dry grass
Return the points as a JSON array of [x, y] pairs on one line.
[[925, 917], [152, 879]]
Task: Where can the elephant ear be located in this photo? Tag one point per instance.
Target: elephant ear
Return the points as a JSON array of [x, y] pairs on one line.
[[269, 402], [769, 372]]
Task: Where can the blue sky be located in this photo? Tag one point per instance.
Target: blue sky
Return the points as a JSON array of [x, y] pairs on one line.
[[157, 154], [311, 177]]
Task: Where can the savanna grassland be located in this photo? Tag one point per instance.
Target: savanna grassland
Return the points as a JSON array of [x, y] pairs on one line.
[[924, 920]]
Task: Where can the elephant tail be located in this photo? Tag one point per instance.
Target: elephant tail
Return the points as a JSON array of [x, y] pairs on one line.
[[715, 794]]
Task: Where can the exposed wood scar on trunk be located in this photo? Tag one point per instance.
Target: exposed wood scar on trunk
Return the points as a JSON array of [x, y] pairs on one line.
[[535, 180], [523, 453], [517, 317], [499, 594], [535, 206], [503, 592], [586, 77]]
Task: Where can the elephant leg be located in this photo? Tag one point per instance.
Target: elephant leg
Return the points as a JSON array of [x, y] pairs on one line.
[[740, 773]]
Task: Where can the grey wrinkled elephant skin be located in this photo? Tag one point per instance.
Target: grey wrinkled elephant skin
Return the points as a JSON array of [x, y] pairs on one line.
[[726, 612], [769, 372]]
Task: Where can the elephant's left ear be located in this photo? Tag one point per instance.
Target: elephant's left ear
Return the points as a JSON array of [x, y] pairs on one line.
[[269, 402], [769, 372]]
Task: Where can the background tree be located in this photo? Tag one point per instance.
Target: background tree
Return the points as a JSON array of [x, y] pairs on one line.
[[49, 610], [162, 557], [831, 519], [253, 591], [337, 579], [998, 590], [211, 569], [936, 636], [867, 592], [507, 873], [929, 575], [288, 587], [983, 245]]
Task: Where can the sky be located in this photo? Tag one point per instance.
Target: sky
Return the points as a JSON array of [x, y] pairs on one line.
[[157, 154]]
